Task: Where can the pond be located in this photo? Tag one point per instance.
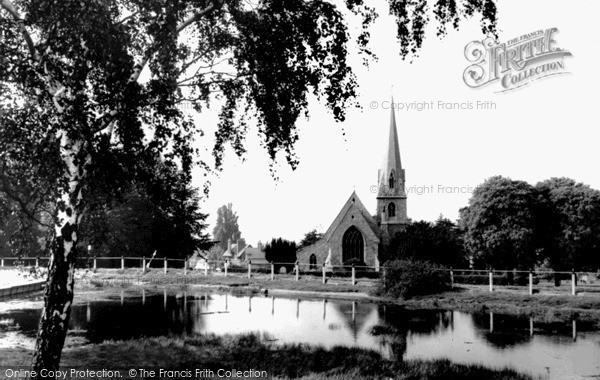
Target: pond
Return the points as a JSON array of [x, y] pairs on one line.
[[554, 351]]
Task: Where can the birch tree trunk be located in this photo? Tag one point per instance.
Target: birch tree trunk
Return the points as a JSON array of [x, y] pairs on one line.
[[58, 294]]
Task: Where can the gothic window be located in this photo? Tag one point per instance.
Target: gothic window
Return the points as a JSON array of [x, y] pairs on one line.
[[353, 246], [313, 261], [391, 184], [391, 210]]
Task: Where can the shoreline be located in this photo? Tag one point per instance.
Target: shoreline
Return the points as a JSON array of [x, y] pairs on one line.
[[466, 298]]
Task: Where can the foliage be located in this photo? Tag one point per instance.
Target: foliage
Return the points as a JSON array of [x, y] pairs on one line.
[[227, 226], [21, 236], [438, 242], [136, 226], [408, 278], [281, 251], [310, 238], [570, 224], [76, 115], [500, 225], [511, 224], [215, 253]]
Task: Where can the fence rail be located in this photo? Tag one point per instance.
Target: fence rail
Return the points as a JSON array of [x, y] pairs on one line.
[[536, 281]]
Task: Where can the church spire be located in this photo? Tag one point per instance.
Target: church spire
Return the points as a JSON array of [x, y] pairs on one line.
[[391, 174], [391, 197], [392, 158]]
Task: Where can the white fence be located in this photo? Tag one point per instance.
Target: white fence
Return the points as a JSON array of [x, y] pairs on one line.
[[546, 282]]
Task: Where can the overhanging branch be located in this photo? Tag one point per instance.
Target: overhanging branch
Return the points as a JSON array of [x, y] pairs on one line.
[[10, 8], [107, 119], [195, 18]]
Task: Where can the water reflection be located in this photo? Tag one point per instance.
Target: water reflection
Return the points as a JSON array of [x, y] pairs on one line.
[[555, 350]]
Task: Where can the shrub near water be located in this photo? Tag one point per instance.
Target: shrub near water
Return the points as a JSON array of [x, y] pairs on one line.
[[408, 278]]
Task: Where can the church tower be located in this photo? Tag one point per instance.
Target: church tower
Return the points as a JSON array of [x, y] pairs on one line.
[[391, 198]]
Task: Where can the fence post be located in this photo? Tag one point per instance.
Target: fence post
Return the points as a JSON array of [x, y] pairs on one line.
[[206, 268], [249, 269], [95, 264], [573, 290], [272, 271], [323, 273], [451, 278], [530, 283], [297, 272], [2, 263], [185, 265], [122, 263], [37, 262], [144, 264], [166, 265], [491, 280], [353, 275], [226, 265]]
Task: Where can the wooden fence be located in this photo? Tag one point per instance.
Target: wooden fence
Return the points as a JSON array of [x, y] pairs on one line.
[[535, 281]]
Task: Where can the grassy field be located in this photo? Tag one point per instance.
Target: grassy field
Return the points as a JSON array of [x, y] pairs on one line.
[[252, 351]]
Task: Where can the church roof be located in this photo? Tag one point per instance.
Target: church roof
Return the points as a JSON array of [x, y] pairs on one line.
[[353, 201], [391, 159]]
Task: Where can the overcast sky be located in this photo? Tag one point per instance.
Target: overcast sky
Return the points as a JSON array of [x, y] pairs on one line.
[[546, 129]]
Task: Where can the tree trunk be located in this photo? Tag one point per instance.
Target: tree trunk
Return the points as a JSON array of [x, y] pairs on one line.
[[58, 294], [58, 298]]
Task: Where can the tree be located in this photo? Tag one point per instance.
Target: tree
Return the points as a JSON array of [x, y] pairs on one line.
[[281, 252], [439, 242], [310, 238], [144, 220], [500, 224], [571, 224], [69, 81], [448, 244], [227, 226]]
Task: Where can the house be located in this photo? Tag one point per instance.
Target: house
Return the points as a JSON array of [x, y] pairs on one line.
[[240, 253]]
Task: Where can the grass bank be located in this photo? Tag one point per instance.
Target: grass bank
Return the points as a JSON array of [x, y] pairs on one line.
[[234, 281], [470, 298], [548, 308], [252, 351]]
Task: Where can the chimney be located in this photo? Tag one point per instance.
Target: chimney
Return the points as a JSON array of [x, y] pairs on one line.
[[229, 245], [259, 246]]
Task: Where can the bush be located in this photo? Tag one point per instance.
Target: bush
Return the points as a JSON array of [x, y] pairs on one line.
[[409, 278]]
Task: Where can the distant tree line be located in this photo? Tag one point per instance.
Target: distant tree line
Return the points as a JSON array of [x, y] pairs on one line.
[[510, 224], [438, 242]]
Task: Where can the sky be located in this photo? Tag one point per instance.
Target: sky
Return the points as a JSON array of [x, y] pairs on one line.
[[542, 130]]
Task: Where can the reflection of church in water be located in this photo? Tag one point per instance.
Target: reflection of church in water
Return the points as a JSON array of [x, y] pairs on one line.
[[355, 236]]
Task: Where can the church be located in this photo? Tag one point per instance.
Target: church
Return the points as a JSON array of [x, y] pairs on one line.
[[356, 236]]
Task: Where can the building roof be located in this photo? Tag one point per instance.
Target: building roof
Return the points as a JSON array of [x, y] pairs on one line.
[[230, 252], [255, 255], [353, 202]]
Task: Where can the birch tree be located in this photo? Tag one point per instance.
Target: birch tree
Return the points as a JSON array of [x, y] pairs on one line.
[[70, 84]]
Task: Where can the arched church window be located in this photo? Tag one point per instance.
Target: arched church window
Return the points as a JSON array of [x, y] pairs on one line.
[[353, 245], [391, 210], [391, 184], [313, 261]]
